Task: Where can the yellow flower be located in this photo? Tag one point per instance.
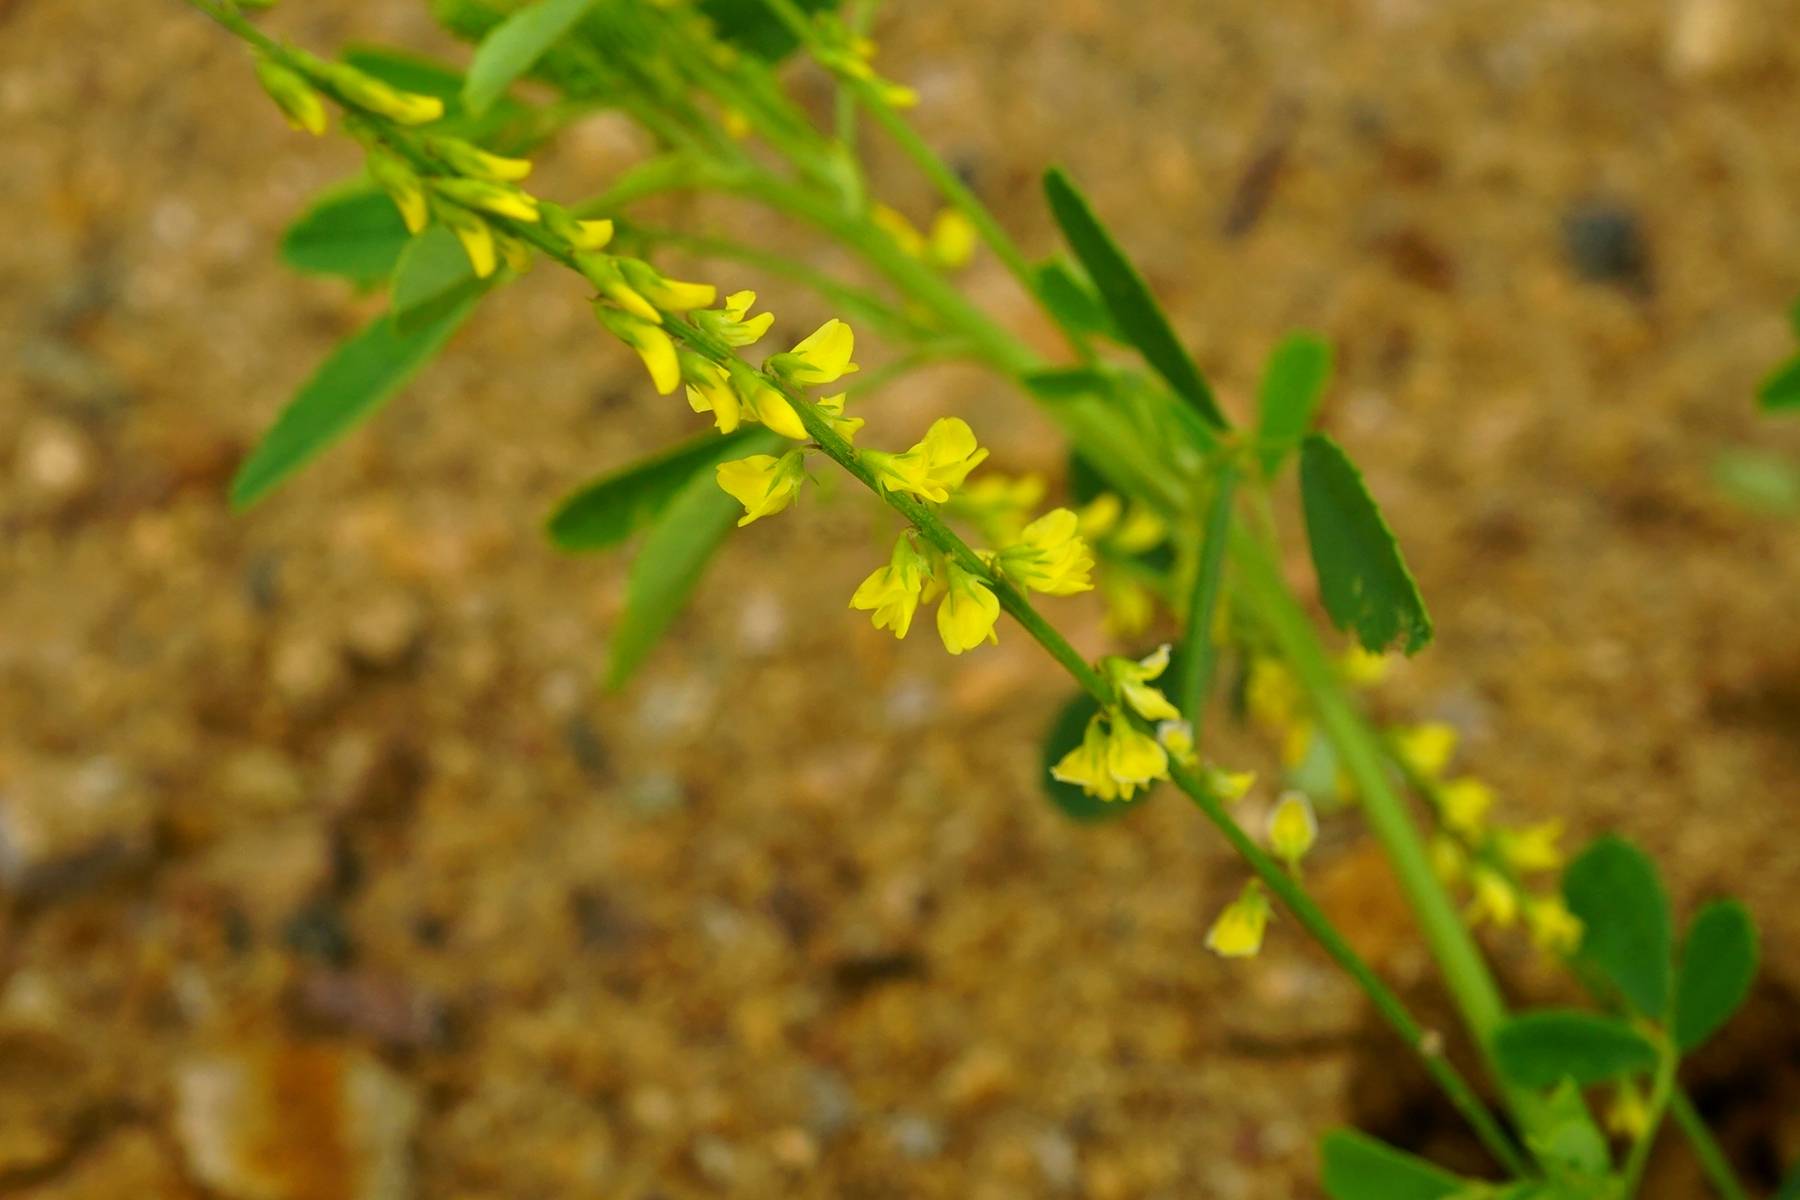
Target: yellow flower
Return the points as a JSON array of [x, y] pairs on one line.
[[1129, 605], [1050, 557], [1141, 530], [952, 239], [894, 223], [1271, 695], [293, 95], [709, 390], [1628, 1116], [1465, 803], [1134, 759], [670, 295], [601, 271], [584, 237], [1533, 848], [466, 158], [1177, 737], [766, 403], [833, 408], [1494, 900], [1553, 927], [403, 187], [966, 616], [1100, 515], [893, 592], [999, 504], [1133, 681], [1238, 931], [501, 199], [1292, 827], [1427, 748], [1085, 766], [1363, 668], [1229, 786], [476, 236], [732, 323], [1448, 859], [651, 343], [935, 466], [762, 483], [823, 357], [372, 95]]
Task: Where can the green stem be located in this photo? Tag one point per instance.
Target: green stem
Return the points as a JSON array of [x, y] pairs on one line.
[[1713, 1163], [1199, 656], [1660, 1091]]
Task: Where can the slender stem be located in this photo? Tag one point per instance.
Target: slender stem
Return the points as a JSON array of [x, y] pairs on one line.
[[1199, 656], [1713, 1163], [1660, 1091]]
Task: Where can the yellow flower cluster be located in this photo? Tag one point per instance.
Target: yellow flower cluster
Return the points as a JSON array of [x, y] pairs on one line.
[[949, 244], [1122, 533], [1490, 861]]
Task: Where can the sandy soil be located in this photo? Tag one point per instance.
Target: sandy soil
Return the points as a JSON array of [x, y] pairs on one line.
[[341, 845]]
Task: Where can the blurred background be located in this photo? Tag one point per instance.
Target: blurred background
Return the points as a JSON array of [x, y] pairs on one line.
[[317, 820]]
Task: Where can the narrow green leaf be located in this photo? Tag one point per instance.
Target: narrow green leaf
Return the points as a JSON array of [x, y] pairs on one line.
[[608, 510], [514, 45], [1293, 383], [349, 386], [1626, 930], [1071, 300], [1362, 576], [750, 26], [668, 569], [1790, 1187], [1358, 1167], [1718, 964], [432, 278], [1064, 735], [1757, 479], [1127, 297], [354, 233], [1540, 1049], [1780, 392]]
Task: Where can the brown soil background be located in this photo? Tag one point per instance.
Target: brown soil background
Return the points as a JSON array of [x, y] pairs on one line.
[[787, 916]]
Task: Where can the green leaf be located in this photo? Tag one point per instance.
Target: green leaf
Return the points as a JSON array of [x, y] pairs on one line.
[[1790, 1187], [1293, 383], [433, 277], [1626, 931], [1718, 963], [750, 26], [1539, 1049], [608, 510], [1127, 297], [1780, 392], [668, 569], [1362, 576], [1064, 735], [355, 233], [348, 387], [1071, 300], [408, 72], [1358, 1167], [515, 45]]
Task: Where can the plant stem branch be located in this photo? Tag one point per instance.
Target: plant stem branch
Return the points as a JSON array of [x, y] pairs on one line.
[[1660, 1091], [1713, 1163], [1199, 656]]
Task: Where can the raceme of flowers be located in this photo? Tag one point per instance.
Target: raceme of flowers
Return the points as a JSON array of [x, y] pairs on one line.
[[676, 329]]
